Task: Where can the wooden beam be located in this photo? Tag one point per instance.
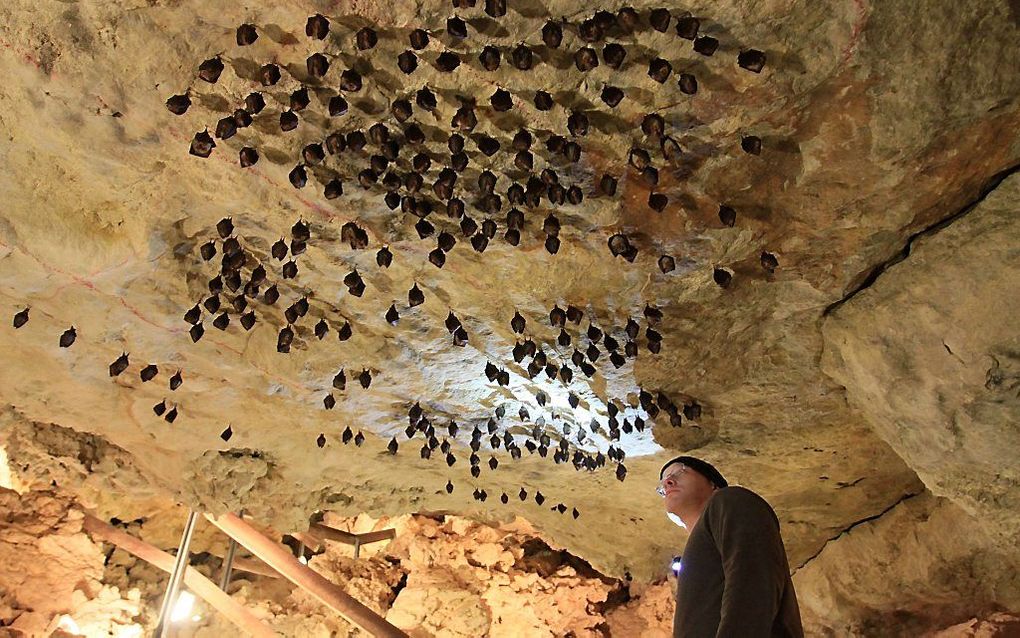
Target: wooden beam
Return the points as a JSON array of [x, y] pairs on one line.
[[310, 541], [333, 534], [280, 559], [376, 536], [253, 567], [196, 582]]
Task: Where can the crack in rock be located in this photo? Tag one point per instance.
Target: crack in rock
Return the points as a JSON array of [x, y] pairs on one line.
[[847, 529], [904, 252]]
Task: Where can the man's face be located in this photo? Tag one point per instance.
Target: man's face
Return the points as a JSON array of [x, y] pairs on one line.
[[683, 488]]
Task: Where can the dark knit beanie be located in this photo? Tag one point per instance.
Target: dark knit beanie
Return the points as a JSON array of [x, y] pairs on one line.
[[703, 468]]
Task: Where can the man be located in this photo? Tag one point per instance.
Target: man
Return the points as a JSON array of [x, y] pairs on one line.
[[733, 580]]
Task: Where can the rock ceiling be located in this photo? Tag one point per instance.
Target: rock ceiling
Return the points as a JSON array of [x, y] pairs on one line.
[[611, 237]]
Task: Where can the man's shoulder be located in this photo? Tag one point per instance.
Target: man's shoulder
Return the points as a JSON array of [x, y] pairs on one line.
[[739, 498], [736, 493]]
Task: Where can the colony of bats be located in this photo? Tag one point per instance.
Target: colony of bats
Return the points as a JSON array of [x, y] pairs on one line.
[[442, 178]]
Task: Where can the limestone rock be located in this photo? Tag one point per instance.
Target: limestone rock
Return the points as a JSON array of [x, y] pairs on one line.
[[49, 566], [929, 354], [925, 562], [997, 625], [876, 121], [649, 613]]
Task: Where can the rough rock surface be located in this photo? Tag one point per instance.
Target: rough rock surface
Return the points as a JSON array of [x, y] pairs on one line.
[[926, 563], [456, 577], [449, 576], [49, 566], [930, 353], [997, 624], [472, 580], [878, 120]]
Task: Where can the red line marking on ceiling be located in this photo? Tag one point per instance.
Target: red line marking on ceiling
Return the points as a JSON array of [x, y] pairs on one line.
[[855, 32]]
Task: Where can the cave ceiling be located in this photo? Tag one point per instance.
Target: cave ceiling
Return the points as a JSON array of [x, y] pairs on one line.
[[334, 228]]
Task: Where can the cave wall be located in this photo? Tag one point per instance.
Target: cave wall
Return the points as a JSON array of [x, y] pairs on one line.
[[49, 567], [929, 353], [879, 121], [923, 565]]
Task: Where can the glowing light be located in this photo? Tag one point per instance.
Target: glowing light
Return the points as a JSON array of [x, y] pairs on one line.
[[676, 519], [7, 479], [196, 618], [67, 624], [676, 565], [635, 444], [182, 607]]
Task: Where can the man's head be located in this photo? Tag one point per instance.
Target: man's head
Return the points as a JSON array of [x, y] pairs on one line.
[[687, 483]]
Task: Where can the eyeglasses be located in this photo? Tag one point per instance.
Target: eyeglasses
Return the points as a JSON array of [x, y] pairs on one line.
[[671, 477]]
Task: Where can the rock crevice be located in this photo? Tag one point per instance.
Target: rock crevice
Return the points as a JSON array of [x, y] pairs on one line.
[[876, 271]]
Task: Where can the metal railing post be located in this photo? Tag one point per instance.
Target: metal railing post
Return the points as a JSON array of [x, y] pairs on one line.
[[176, 576], [228, 565]]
